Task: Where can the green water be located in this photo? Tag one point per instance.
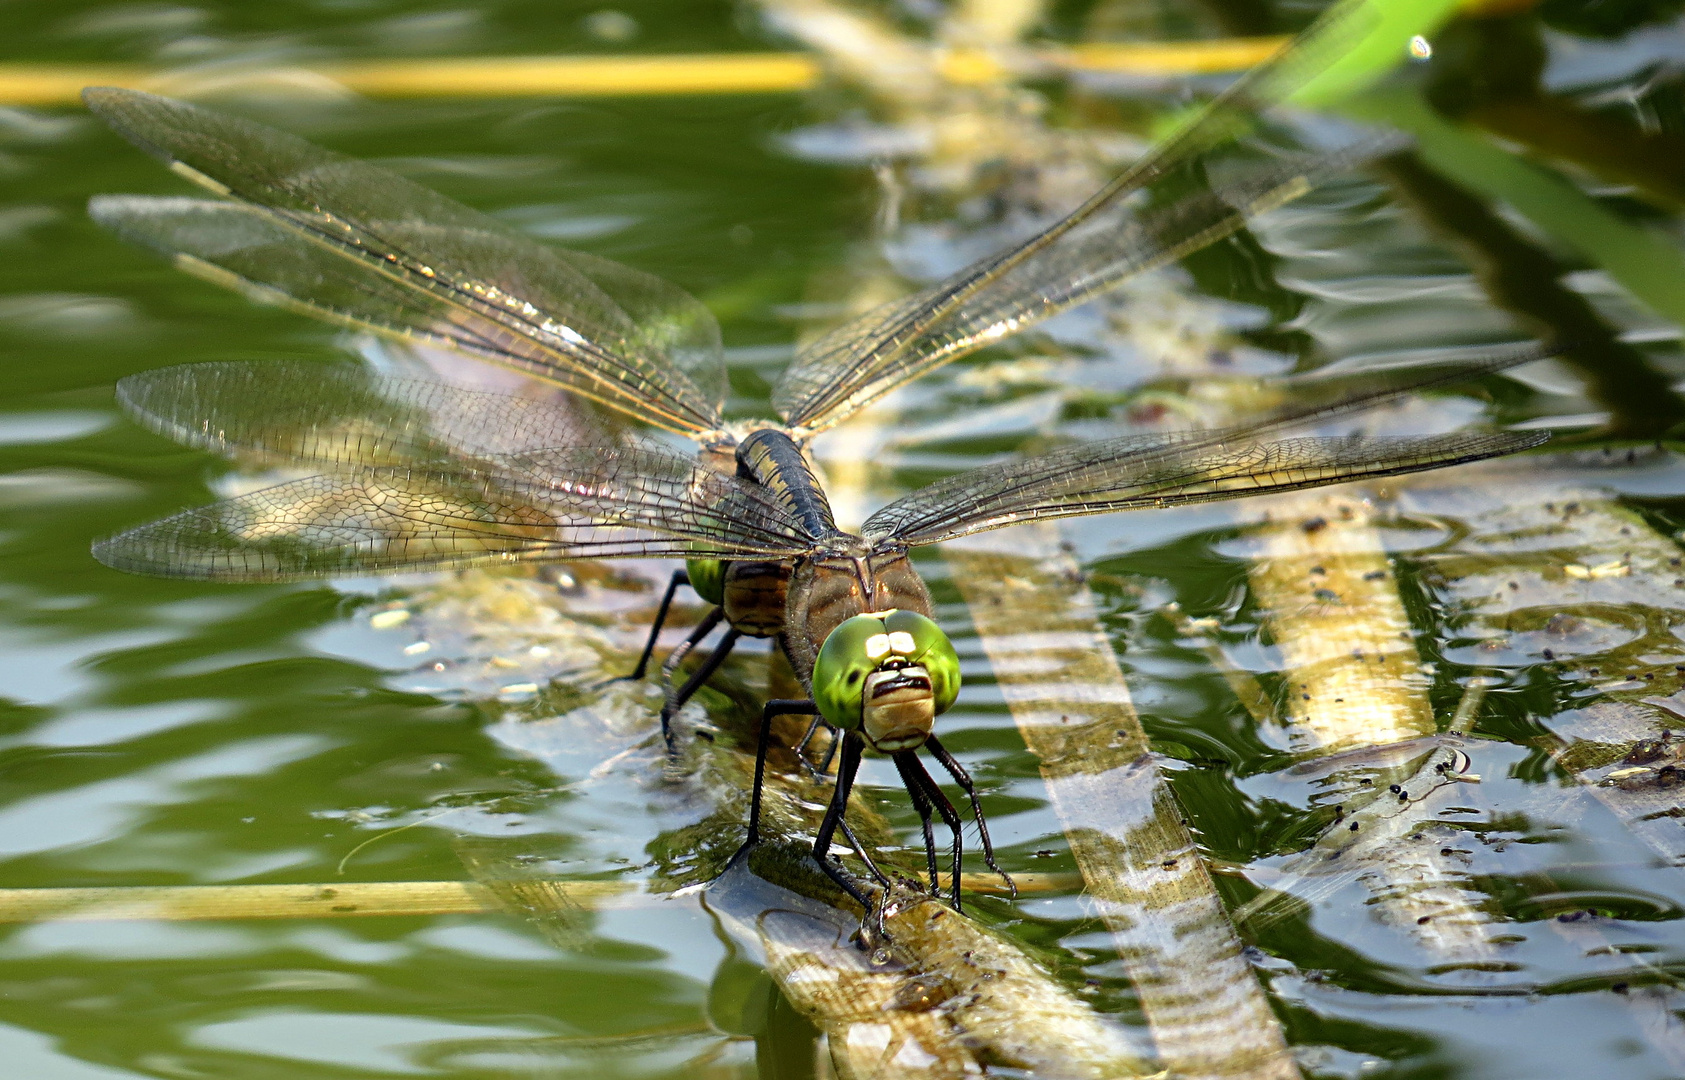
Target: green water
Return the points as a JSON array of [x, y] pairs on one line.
[[160, 732]]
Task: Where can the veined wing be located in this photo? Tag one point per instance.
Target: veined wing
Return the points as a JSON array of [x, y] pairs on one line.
[[357, 244], [1137, 471], [1194, 466], [1089, 251], [829, 382], [563, 504], [338, 416]]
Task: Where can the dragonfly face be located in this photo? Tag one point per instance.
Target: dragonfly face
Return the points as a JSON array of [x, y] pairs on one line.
[[887, 675]]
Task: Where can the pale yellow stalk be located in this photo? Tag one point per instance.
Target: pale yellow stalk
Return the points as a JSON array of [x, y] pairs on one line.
[[1054, 665]]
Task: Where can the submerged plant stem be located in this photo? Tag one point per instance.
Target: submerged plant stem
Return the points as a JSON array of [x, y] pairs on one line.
[[1058, 673]]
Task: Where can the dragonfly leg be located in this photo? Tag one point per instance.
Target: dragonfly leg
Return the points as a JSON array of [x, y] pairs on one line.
[[676, 698], [830, 751], [776, 707], [691, 641], [865, 856], [963, 779], [807, 737], [679, 578], [921, 803], [916, 774], [849, 765]]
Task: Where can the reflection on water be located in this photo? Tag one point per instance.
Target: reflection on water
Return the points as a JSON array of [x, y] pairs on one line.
[[173, 733]]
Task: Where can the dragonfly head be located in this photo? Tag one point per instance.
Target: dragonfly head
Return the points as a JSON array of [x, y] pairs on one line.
[[887, 675]]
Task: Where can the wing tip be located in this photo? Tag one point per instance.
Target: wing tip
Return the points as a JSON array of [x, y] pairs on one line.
[[121, 553]]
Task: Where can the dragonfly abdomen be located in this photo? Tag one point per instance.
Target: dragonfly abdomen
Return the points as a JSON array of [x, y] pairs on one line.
[[772, 459], [754, 595]]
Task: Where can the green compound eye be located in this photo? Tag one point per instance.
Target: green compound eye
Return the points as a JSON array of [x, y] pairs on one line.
[[931, 650], [707, 577], [865, 644]]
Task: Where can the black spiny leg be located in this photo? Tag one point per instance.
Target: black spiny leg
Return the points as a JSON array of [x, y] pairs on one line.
[[676, 698], [963, 779], [865, 856], [682, 650], [807, 736], [830, 748], [950, 816], [921, 803], [776, 707], [851, 747], [679, 578]]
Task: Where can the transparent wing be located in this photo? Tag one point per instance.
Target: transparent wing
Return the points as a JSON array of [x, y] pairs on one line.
[[1165, 470], [1097, 246], [564, 504], [1195, 466], [336, 415], [354, 243]]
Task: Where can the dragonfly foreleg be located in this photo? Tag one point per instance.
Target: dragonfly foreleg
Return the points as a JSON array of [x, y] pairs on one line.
[[830, 749], [915, 773], [846, 768], [682, 650], [963, 779], [679, 578], [676, 698], [921, 803]]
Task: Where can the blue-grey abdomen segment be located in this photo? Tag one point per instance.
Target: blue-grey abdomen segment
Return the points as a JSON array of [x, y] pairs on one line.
[[773, 460]]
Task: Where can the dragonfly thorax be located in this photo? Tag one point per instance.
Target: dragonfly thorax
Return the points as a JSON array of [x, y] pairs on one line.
[[846, 579]]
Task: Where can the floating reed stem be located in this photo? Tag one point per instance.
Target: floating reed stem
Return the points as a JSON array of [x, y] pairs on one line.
[[1540, 571], [192, 902], [1055, 666], [1543, 570], [1352, 678], [357, 899], [609, 76]]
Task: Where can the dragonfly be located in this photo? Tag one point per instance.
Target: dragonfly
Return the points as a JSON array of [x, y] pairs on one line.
[[418, 475]]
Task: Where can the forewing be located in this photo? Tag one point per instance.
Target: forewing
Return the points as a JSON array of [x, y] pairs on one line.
[[657, 490], [337, 416], [392, 255], [1135, 472], [570, 504], [1104, 241]]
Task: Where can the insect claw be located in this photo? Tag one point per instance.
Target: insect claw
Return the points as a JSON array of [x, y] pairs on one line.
[[874, 936]]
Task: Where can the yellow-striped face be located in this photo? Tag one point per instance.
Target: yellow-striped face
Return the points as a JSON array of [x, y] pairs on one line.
[[887, 675]]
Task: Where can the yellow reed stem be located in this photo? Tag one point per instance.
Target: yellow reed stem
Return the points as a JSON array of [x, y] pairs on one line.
[[1167, 57], [610, 76], [191, 902], [61, 84], [579, 76], [344, 899]]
